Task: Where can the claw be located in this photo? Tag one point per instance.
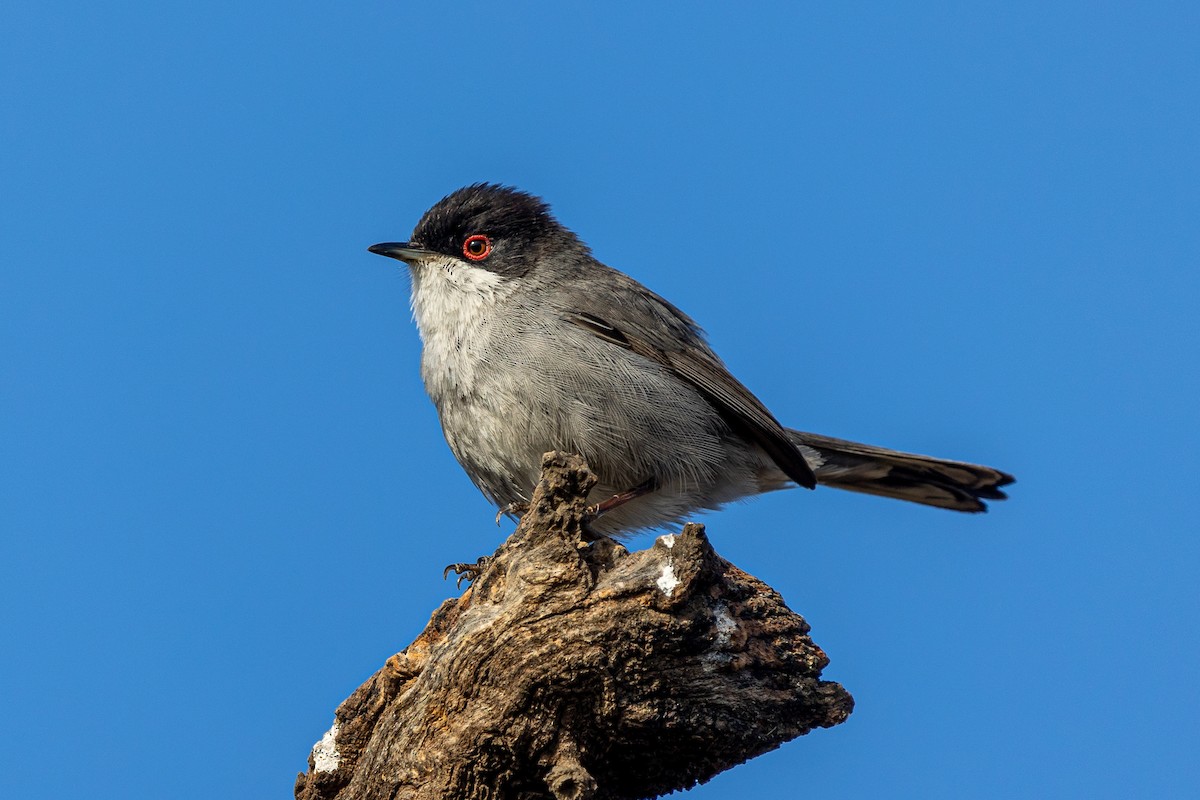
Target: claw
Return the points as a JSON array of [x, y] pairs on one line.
[[516, 509], [466, 572]]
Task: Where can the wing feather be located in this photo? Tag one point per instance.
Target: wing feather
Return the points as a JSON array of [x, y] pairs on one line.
[[699, 367]]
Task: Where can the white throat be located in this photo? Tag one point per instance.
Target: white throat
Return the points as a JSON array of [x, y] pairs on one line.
[[449, 297], [454, 305]]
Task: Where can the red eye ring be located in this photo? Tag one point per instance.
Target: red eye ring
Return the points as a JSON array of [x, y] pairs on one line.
[[477, 247]]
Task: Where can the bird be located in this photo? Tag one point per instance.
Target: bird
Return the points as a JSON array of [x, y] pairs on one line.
[[530, 344]]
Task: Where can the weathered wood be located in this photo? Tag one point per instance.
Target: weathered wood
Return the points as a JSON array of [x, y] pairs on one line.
[[572, 670]]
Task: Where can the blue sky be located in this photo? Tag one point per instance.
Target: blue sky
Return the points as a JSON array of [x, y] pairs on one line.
[[963, 229]]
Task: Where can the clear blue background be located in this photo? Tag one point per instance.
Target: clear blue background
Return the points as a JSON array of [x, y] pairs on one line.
[[964, 229]]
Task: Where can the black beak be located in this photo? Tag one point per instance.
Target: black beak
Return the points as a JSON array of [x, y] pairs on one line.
[[405, 251]]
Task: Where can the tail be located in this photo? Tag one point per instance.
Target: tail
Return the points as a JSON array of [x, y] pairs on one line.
[[919, 479]]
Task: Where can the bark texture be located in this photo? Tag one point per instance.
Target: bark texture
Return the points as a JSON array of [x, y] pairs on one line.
[[575, 670]]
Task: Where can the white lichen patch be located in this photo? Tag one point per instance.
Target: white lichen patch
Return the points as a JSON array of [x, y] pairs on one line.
[[667, 581], [667, 540], [325, 753], [725, 624]]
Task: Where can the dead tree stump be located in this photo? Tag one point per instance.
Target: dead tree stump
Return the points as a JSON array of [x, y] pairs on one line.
[[572, 670]]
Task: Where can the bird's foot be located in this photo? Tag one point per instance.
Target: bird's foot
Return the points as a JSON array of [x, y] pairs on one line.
[[515, 509], [467, 572], [620, 499]]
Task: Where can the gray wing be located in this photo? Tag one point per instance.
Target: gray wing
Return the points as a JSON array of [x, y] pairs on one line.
[[633, 317]]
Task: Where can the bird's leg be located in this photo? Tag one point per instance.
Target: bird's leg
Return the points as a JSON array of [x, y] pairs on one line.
[[517, 508], [467, 572], [621, 498]]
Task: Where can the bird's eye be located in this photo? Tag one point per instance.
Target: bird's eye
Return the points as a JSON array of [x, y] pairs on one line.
[[477, 247]]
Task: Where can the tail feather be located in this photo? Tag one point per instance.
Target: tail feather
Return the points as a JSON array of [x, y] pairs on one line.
[[931, 481]]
